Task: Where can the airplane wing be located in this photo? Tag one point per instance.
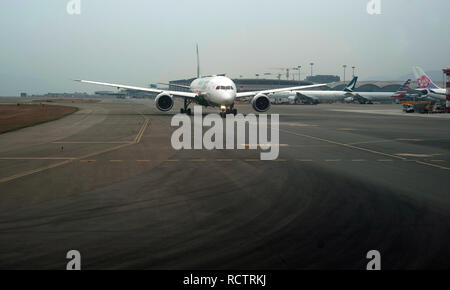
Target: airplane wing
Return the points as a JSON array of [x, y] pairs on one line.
[[174, 93], [254, 93], [175, 85]]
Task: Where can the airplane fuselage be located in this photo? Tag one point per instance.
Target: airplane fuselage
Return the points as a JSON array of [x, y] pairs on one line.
[[325, 95], [315, 95], [377, 96], [438, 94], [216, 91]]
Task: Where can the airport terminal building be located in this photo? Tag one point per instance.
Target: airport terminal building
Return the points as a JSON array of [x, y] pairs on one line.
[[245, 85]]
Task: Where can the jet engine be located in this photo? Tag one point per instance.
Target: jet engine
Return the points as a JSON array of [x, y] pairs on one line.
[[261, 103], [164, 102], [423, 92], [349, 99]]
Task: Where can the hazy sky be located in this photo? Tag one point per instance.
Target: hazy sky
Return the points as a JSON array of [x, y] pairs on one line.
[[140, 42]]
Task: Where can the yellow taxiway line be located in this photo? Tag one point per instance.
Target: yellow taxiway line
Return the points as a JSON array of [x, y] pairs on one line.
[[38, 158], [84, 157], [93, 142], [224, 160]]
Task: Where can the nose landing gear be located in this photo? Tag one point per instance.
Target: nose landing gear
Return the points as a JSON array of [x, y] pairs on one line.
[[227, 111]]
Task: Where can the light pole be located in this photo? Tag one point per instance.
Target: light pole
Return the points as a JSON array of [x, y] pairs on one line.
[[297, 68], [353, 67], [311, 64], [345, 67]]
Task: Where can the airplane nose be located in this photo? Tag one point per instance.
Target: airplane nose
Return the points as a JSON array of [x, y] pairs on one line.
[[231, 96], [228, 97]]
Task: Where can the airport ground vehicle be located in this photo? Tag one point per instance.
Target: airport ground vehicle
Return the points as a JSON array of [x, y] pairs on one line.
[[417, 106], [423, 107], [407, 108]]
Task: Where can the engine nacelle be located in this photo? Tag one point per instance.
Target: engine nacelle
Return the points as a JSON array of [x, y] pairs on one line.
[[349, 99], [164, 102], [424, 92], [261, 103]]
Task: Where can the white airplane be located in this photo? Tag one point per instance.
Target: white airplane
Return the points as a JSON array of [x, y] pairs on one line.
[[314, 97], [214, 91], [369, 97], [347, 95], [426, 85]]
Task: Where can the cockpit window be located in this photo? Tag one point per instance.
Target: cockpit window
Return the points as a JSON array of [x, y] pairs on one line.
[[224, 87]]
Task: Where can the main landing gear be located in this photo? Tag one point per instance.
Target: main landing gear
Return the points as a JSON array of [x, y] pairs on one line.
[[186, 110], [223, 113]]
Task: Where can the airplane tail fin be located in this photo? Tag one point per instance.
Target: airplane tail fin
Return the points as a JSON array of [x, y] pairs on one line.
[[423, 81], [351, 85], [198, 63], [402, 91]]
